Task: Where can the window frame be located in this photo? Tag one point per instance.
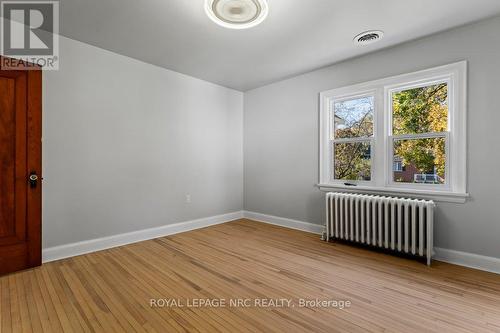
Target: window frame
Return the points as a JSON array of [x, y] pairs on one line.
[[382, 150]]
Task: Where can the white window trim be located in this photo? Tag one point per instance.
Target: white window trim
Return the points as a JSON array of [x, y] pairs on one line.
[[455, 189]]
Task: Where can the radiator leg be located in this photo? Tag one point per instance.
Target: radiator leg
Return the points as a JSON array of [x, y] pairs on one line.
[[429, 260], [326, 232]]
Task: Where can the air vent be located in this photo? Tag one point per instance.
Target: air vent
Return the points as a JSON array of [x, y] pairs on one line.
[[369, 37]]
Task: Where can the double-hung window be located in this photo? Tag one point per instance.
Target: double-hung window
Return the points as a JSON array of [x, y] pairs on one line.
[[404, 134]]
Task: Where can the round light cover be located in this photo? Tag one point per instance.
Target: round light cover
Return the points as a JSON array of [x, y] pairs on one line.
[[237, 14]]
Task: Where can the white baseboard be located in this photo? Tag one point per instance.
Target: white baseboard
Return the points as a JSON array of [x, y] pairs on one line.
[[93, 245], [284, 222], [483, 263], [488, 264]]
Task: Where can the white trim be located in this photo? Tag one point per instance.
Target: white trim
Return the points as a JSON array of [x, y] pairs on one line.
[[483, 263], [489, 264], [456, 184], [353, 140], [98, 244], [414, 193], [430, 135], [284, 222], [471, 260]]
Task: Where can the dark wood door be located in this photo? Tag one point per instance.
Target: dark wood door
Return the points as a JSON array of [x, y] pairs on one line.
[[20, 158]]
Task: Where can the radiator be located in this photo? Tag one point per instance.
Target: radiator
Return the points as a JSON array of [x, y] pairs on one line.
[[397, 224]]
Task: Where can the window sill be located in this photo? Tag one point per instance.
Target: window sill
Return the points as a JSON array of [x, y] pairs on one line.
[[419, 194]]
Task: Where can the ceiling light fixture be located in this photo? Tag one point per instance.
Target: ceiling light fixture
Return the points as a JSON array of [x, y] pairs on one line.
[[237, 14]]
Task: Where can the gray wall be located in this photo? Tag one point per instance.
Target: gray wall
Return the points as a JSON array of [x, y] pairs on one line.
[[124, 142], [281, 134]]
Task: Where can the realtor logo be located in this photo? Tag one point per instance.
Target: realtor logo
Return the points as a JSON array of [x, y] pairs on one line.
[[30, 32]]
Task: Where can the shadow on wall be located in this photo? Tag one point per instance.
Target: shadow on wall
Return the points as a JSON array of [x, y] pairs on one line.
[[315, 204]]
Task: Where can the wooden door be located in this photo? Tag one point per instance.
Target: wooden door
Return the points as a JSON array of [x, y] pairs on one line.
[[20, 160]]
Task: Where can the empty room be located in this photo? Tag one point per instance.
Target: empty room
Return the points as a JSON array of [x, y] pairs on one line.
[[249, 166]]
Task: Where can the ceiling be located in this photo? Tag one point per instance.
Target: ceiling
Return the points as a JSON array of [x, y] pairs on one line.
[[298, 35]]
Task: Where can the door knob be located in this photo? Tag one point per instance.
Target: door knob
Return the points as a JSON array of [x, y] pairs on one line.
[[33, 180]]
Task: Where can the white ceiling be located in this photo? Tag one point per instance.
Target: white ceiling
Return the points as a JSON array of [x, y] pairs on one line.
[[298, 35]]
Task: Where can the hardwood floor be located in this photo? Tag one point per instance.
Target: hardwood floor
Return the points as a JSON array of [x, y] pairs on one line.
[[111, 291]]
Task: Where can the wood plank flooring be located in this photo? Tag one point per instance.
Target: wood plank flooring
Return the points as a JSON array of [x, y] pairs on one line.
[[111, 291]]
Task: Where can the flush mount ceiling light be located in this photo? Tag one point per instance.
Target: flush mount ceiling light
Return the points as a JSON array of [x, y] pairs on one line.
[[237, 14], [368, 37]]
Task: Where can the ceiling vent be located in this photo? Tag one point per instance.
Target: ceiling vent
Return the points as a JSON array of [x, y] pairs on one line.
[[369, 37]]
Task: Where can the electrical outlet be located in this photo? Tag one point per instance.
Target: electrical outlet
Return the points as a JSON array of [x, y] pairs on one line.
[[188, 198]]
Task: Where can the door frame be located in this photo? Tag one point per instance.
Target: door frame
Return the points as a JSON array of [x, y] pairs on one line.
[[34, 142]]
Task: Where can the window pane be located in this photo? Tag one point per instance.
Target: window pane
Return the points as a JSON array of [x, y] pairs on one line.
[[423, 161], [354, 118], [420, 110], [353, 161]]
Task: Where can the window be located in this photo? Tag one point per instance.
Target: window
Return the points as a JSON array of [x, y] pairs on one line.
[[397, 166], [401, 134]]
